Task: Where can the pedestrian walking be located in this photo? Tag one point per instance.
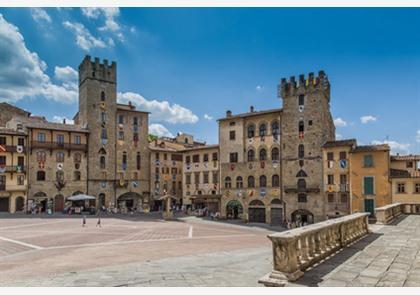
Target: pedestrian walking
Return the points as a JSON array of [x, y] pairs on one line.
[[84, 221], [98, 224]]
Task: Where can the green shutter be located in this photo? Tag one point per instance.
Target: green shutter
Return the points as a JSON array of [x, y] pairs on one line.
[[368, 185], [368, 161]]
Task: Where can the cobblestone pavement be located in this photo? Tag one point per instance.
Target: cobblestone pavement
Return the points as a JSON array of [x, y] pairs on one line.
[[389, 257]]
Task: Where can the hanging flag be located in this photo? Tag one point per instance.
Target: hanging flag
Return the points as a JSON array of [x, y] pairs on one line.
[[2, 148]]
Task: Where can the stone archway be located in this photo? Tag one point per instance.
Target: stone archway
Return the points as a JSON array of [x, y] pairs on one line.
[[303, 216], [256, 211], [40, 200], [129, 201], [234, 209]]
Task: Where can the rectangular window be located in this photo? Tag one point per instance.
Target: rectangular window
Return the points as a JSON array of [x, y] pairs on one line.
[[417, 188], [196, 158], [157, 156], [232, 135], [41, 136], [120, 119], [103, 117], [344, 198], [3, 160], [188, 159], [214, 157], [197, 177], [135, 121], [368, 185], [135, 137], [343, 155], [205, 177], [165, 157], [3, 140], [2, 182], [188, 178], [21, 141], [215, 177], [233, 157], [330, 198], [21, 161], [330, 156], [302, 198], [20, 179], [343, 179], [368, 161], [401, 188], [77, 139], [409, 164], [205, 157], [60, 138], [330, 179], [121, 135]]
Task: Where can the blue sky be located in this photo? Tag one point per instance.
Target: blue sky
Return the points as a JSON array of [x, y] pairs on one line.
[[188, 66]]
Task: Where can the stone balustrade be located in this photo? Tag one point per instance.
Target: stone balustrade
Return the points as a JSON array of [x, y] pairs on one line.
[[298, 249], [388, 213]]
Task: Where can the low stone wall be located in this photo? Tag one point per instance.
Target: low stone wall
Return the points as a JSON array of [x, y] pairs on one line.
[[388, 213], [297, 249]]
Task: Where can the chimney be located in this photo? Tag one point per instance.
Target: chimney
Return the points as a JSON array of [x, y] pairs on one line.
[[228, 113], [251, 109], [64, 121]]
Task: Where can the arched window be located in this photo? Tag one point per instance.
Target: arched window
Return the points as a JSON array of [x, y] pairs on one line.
[[102, 96], [251, 155], [263, 181], [41, 156], [301, 151], [301, 173], [263, 155], [239, 182], [124, 160], [275, 181], [275, 129], [275, 155], [251, 131], [77, 157], [301, 183], [103, 134], [263, 129], [138, 161], [59, 176], [228, 182], [102, 162], [251, 181], [40, 175], [60, 157], [76, 175]]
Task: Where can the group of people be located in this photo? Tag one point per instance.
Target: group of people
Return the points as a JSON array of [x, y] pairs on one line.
[[293, 224]]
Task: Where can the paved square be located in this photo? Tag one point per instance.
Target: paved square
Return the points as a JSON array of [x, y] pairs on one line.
[[131, 251]]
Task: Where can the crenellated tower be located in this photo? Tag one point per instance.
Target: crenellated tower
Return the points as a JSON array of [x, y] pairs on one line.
[[97, 112], [306, 125]]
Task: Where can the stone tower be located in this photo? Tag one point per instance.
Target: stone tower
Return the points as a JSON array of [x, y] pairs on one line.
[[97, 112], [306, 125]]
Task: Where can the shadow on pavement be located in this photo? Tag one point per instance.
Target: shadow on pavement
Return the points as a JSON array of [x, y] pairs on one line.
[[315, 275]]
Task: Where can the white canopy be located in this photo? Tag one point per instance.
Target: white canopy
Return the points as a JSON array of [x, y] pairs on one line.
[[80, 197]]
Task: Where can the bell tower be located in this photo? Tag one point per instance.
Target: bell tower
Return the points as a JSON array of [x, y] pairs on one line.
[[306, 125], [97, 112]]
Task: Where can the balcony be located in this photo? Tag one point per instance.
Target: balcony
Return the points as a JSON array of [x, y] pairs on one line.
[[15, 188], [13, 148], [16, 169], [296, 189], [341, 188], [58, 145]]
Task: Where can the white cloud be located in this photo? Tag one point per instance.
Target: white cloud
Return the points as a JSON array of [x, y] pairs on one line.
[[84, 39], [418, 136], [338, 136], [159, 130], [66, 74], [40, 15], [259, 88], [367, 119], [110, 14], [208, 117], [340, 122], [22, 72], [59, 119], [160, 110], [396, 147]]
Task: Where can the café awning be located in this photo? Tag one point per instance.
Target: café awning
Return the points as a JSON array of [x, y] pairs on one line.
[[81, 197]]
